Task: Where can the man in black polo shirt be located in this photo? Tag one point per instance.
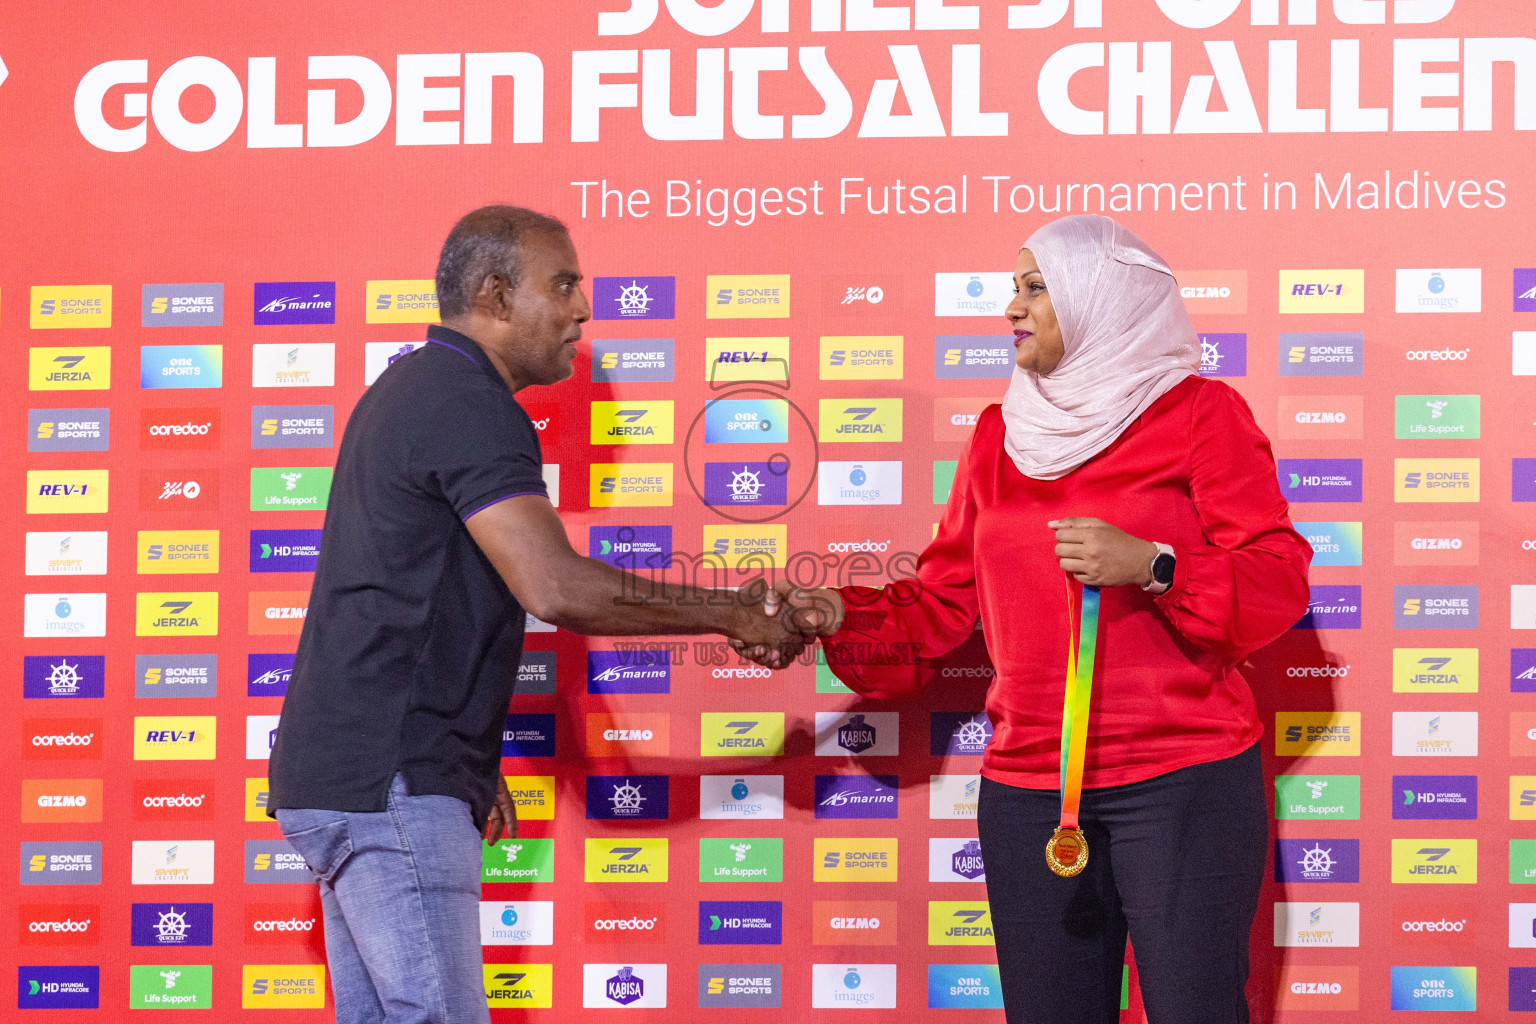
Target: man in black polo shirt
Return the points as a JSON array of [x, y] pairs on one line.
[[439, 535]]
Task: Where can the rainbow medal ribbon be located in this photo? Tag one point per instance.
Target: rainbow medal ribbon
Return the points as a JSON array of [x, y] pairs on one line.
[[1067, 851]]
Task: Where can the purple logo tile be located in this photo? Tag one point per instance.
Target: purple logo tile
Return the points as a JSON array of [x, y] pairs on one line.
[[528, 736], [741, 923], [1522, 670], [1223, 355], [1422, 797], [629, 672], [1525, 290], [1523, 480], [1320, 479], [285, 550], [958, 732], [631, 547], [1317, 860], [634, 298], [172, 924], [1522, 980], [267, 675], [63, 676], [295, 302], [58, 988], [856, 796], [1332, 606], [627, 797], [745, 484]]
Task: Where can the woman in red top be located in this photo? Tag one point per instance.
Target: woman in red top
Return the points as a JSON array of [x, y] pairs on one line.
[[1109, 463]]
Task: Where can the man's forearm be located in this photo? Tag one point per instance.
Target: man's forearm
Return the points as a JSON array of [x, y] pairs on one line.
[[594, 598]]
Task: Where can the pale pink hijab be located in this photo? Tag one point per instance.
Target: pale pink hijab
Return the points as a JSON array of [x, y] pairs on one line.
[[1127, 337]]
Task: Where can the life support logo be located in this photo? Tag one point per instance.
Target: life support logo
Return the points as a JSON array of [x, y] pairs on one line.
[[59, 306], [86, 368], [400, 302]]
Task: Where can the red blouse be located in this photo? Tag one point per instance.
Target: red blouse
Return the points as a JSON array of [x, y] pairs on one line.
[[1194, 472]]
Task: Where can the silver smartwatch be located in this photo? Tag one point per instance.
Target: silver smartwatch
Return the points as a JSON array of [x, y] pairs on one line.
[[1162, 569]]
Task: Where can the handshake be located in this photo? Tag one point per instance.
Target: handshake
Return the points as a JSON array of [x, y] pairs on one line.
[[775, 623]]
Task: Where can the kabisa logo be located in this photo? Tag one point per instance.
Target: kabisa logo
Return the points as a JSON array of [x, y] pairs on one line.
[[63, 676], [629, 672], [1320, 479], [984, 294], [964, 986], [862, 357], [627, 797], [62, 492], [1422, 797], [175, 675], [965, 862], [959, 923], [1223, 355], [1322, 354], [858, 483], [86, 368], [69, 430], [626, 860], [172, 924], [741, 796], [64, 615], [58, 988], [746, 484], [1317, 733], [1317, 860], [1435, 861], [741, 923], [295, 302], [1436, 988], [181, 366], [1332, 606], [973, 356], [746, 421], [633, 359], [633, 483], [727, 734], [840, 986], [1440, 291], [736, 296], [856, 735], [56, 306], [379, 356], [284, 550], [1434, 606], [1322, 291], [293, 426], [855, 796], [177, 614], [400, 302], [529, 986], [1421, 480], [632, 422], [634, 298], [631, 547], [626, 986], [862, 734], [859, 419], [958, 732], [182, 305]]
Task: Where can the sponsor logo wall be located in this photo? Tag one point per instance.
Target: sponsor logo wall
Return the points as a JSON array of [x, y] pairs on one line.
[[776, 366]]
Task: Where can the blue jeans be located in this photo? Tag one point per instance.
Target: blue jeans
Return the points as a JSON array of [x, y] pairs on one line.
[[400, 891]]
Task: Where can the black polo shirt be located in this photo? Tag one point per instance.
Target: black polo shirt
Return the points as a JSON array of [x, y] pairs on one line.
[[411, 644]]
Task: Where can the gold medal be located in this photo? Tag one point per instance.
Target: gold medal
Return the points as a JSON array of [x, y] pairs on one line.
[[1067, 852]]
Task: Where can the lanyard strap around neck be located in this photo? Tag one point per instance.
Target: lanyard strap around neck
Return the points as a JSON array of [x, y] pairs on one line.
[[1074, 710]]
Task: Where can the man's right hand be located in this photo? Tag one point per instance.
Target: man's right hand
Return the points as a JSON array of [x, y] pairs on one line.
[[765, 631], [805, 613]]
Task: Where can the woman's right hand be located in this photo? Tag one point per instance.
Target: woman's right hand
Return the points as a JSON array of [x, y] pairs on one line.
[[810, 612]]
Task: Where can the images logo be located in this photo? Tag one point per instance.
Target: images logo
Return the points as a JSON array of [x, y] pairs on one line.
[[295, 302], [1223, 355], [172, 924], [741, 796], [56, 306], [176, 614], [626, 860], [734, 296], [62, 676], [400, 302], [1434, 734], [524, 923], [69, 369], [973, 356], [985, 294], [1322, 291], [854, 860], [1434, 607], [1338, 354], [1317, 734], [1420, 480], [1434, 670], [862, 357], [1438, 416], [282, 986], [629, 672], [630, 484], [633, 359], [627, 797], [69, 430], [178, 551], [742, 860], [858, 419], [181, 366], [863, 734], [69, 615], [1423, 797], [858, 483], [746, 421], [959, 923], [1333, 543], [839, 986], [1317, 860], [740, 985], [741, 923], [1214, 291], [290, 488], [182, 305], [62, 492], [175, 738], [1435, 861], [1320, 479], [636, 298], [1440, 291], [292, 426], [1332, 606], [856, 796], [726, 734]]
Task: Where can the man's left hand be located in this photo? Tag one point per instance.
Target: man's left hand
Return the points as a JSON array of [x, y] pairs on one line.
[[1100, 555], [503, 816]]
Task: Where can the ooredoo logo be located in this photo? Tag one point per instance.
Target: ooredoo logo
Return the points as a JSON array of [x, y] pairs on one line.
[[625, 921], [179, 429], [61, 739], [59, 924], [173, 799], [1434, 923], [283, 924]]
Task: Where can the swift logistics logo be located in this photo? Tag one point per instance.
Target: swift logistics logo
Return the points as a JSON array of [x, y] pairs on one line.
[[632, 422], [862, 357], [728, 859], [856, 796], [173, 862], [634, 298], [64, 492], [304, 365], [400, 302], [1313, 354], [66, 553], [737, 296], [62, 306], [1322, 291], [1331, 606], [746, 421], [87, 368], [959, 923], [1333, 543], [1434, 734], [626, 860], [1334, 480], [529, 986], [741, 923], [953, 796], [293, 426], [730, 734], [162, 613], [175, 737], [1427, 480], [1317, 734], [630, 484], [627, 797], [63, 676], [859, 419], [1427, 797], [178, 551], [630, 360], [739, 359], [854, 859], [294, 302], [1440, 291], [66, 863], [1434, 606], [1317, 924], [1437, 417], [69, 430], [175, 675], [1317, 860], [973, 357], [859, 734], [741, 797], [1434, 861], [1434, 669], [1223, 355], [1324, 797], [518, 860], [181, 366], [182, 305]]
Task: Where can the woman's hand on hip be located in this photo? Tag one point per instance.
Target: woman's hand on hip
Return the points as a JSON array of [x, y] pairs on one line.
[[1099, 554]]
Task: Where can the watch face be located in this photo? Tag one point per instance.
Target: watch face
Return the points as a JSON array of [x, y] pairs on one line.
[[1162, 568]]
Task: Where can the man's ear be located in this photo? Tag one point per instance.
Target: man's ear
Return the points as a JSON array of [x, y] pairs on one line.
[[494, 298]]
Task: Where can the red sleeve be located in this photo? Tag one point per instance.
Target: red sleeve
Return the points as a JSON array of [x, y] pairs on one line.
[[1248, 583], [888, 631]]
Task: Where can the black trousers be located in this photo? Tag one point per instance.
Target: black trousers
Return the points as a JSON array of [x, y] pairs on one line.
[[1176, 861]]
